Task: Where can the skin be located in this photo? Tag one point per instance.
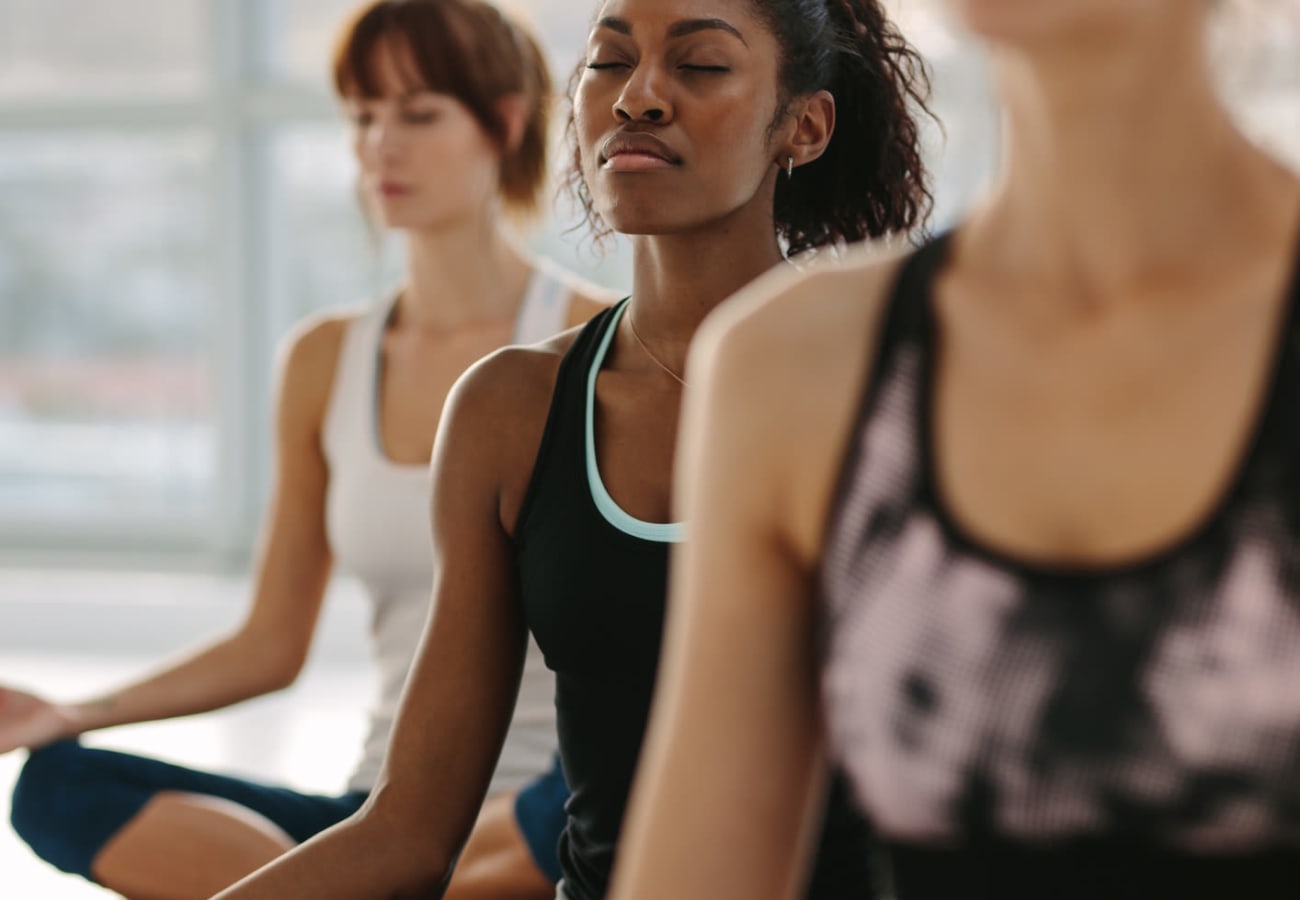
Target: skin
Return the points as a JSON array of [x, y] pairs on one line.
[[1107, 322], [702, 228], [466, 279]]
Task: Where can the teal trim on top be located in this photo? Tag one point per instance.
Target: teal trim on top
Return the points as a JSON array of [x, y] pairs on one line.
[[663, 532]]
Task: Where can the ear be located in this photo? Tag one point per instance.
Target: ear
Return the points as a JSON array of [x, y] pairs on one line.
[[811, 124], [513, 111]]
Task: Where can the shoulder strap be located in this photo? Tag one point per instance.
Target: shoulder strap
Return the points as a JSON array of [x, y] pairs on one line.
[[1278, 431], [545, 308], [563, 440], [909, 314], [350, 414]]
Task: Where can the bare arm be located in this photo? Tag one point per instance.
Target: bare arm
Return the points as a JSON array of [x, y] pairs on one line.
[[458, 699], [729, 789], [267, 650]]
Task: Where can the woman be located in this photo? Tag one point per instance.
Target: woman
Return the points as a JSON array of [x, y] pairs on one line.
[[1034, 585], [704, 130], [446, 151]]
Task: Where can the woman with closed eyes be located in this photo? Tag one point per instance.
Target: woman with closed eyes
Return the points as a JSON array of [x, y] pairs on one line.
[[720, 136]]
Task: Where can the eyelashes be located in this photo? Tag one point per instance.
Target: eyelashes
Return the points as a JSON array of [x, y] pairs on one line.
[[365, 119], [605, 66]]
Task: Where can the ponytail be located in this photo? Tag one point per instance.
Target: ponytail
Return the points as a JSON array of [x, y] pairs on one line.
[[524, 168], [870, 181]]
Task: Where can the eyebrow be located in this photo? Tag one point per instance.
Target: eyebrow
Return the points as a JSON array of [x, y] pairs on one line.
[[678, 29]]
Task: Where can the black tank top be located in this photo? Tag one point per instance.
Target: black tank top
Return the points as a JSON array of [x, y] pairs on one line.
[[1018, 731], [593, 582]]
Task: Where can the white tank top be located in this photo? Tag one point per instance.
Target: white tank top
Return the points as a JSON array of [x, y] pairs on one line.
[[377, 519]]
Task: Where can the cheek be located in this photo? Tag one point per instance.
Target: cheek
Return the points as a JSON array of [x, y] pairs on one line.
[[465, 154], [359, 149], [586, 131], [741, 146]]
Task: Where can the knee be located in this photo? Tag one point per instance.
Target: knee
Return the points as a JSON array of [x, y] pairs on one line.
[[44, 796], [47, 773]]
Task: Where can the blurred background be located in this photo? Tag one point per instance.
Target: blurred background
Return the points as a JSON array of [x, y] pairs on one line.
[[175, 190]]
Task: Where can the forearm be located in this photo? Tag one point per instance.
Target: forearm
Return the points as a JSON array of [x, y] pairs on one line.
[[225, 672], [365, 856]]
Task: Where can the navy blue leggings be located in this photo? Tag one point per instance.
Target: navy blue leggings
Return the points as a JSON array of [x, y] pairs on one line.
[[539, 810], [70, 800]]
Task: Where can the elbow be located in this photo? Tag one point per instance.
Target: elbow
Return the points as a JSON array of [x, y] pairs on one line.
[[279, 677], [422, 878], [282, 667], [430, 887], [272, 663], [416, 855]]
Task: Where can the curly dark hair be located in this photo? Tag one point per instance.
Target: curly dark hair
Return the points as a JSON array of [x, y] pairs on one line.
[[871, 181]]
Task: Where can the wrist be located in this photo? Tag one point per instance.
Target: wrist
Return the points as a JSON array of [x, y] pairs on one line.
[[77, 718]]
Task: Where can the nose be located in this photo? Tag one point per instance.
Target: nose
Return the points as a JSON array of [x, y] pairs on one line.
[[387, 140], [644, 97], [381, 139]]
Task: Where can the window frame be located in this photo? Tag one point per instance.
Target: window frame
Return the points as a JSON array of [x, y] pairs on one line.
[[238, 109]]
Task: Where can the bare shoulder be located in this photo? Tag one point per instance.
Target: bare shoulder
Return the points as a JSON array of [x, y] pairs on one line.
[[307, 359], [813, 317], [785, 361], [496, 414], [511, 380]]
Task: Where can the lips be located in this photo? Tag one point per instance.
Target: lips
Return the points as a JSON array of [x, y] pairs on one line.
[[630, 151]]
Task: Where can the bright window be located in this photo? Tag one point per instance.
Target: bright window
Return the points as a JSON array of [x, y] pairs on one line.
[[176, 190], [65, 50]]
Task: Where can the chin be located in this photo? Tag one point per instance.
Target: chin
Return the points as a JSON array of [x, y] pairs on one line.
[[389, 222], [398, 219], [649, 216], [1028, 22], [643, 226]]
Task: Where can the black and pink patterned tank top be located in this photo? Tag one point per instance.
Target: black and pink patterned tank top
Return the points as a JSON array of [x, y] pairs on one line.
[[1017, 732]]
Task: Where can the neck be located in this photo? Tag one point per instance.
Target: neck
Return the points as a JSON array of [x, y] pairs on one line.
[[470, 272], [678, 279], [1120, 161]]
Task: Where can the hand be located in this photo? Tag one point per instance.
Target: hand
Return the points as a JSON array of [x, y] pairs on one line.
[[29, 721]]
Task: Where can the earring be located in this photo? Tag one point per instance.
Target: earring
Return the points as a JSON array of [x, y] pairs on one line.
[[789, 167]]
